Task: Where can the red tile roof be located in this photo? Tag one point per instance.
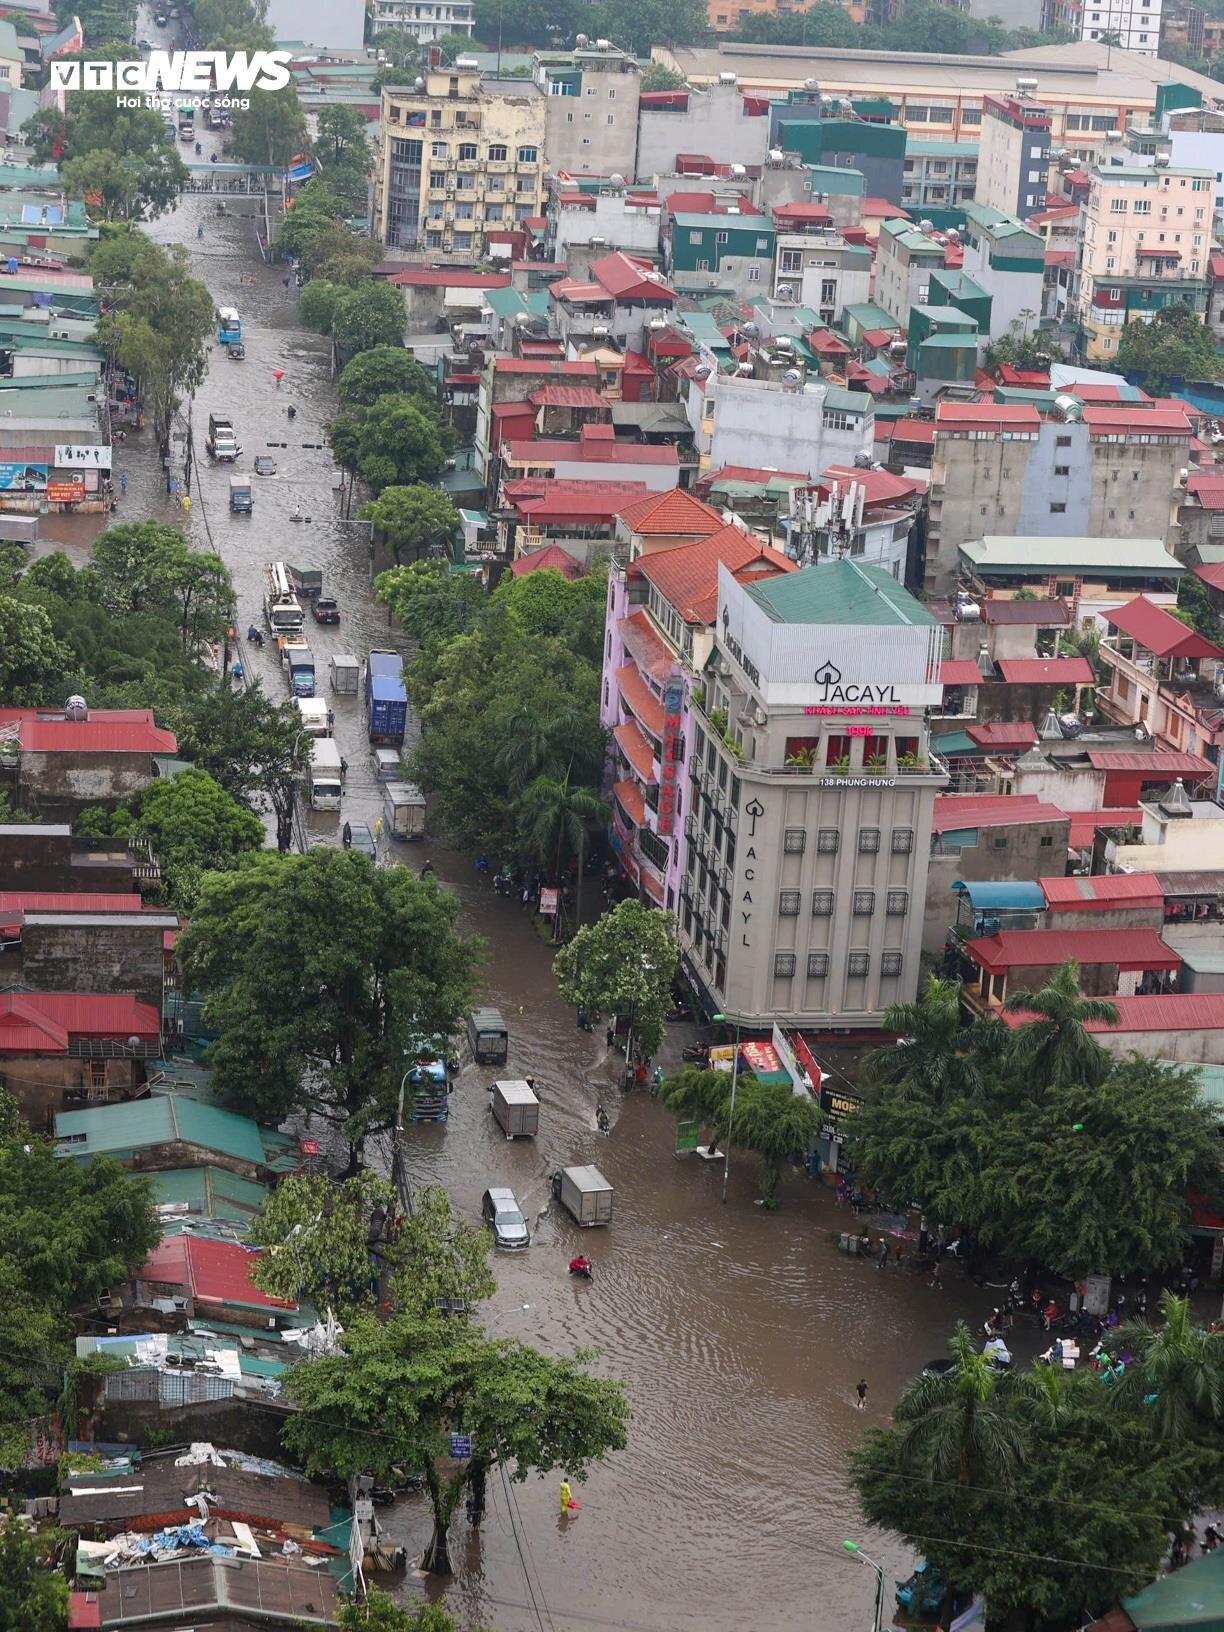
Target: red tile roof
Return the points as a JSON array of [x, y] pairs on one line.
[[551, 558], [1102, 892], [1159, 631], [645, 646], [1084, 823], [630, 279], [1174, 1011], [750, 473], [914, 430], [954, 811], [1208, 488], [1089, 392], [577, 290], [44, 1022], [639, 697], [590, 450], [545, 500], [827, 343], [878, 486], [448, 277], [1212, 575], [212, 1271], [1003, 734], [629, 796], [1136, 948], [985, 416], [959, 671], [675, 513], [567, 396], [801, 211], [636, 750], [687, 576], [106, 731], [1046, 671], [548, 367], [84, 1611], [1134, 421], [879, 337]]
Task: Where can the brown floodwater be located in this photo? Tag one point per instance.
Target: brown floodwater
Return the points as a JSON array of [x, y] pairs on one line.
[[740, 1334]]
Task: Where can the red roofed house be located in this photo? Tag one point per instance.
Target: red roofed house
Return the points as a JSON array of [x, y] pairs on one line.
[[1108, 471], [618, 298], [1104, 900], [552, 558], [596, 455], [665, 520], [580, 516], [1112, 963], [1200, 516], [210, 1277], [504, 408], [59, 1049], [1161, 673], [662, 607], [1182, 1026], [432, 294], [101, 757], [987, 838]]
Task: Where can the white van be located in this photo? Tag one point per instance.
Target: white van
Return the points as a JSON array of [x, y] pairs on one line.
[[326, 778]]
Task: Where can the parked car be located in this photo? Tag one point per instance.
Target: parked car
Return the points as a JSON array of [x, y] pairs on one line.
[[324, 611], [357, 836], [504, 1216]]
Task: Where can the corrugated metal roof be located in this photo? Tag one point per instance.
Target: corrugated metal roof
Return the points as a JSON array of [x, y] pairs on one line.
[[1159, 631], [1007, 895], [1114, 557], [1171, 1011], [842, 593], [1101, 891], [141, 1123], [959, 671], [27, 1017], [214, 1271], [1162, 763], [1136, 948], [1041, 612], [1046, 671], [1084, 823], [954, 812], [1003, 734], [103, 732], [213, 1192]]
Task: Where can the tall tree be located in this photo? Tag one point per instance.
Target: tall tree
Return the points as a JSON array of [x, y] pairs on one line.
[[932, 1050], [383, 371], [372, 315], [624, 964], [272, 130], [253, 747], [1174, 345], [33, 1595], [342, 137], [557, 819], [374, 950], [396, 442], [413, 519], [1177, 1375], [400, 1389], [430, 602], [33, 663], [1054, 1043]]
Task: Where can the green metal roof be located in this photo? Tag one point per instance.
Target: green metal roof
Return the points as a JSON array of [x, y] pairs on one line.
[[1190, 1598], [141, 1123], [921, 147], [831, 178], [954, 340], [503, 302], [1117, 557], [703, 327], [211, 1191], [848, 402], [842, 592], [957, 742], [870, 316]]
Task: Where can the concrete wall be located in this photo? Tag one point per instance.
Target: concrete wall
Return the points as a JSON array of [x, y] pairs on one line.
[[41, 1086], [1029, 851], [760, 423], [254, 1428], [125, 955], [33, 859], [1069, 787], [338, 23], [595, 132], [1191, 1047], [61, 784], [714, 125]]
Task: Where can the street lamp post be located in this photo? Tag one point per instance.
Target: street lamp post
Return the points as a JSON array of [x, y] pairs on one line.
[[853, 1548], [721, 1019]]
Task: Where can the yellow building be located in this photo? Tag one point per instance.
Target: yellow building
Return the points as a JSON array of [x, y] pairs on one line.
[[458, 156], [1147, 236]]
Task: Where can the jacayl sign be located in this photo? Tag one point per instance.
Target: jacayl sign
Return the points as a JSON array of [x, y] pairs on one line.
[[176, 71], [829, 676]]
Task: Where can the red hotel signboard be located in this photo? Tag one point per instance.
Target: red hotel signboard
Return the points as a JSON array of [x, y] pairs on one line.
[[673, 751]]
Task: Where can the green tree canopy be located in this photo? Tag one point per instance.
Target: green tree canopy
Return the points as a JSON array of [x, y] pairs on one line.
[[33, 1595], [413, 519], [1008, 1140], [656, 77], [623, 964], [320, 972], [1175, 345], [317, 304], [253, 747], [341, 137], [122, 156], [33, 663], [272, 130], [384, 371], [372, 315], [394, 443], [430, 602], [145, 566], [401, 1388]]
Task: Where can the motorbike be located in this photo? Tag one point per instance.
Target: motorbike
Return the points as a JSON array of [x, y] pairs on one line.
[[255, 636], [582, 1268], [199, 147], [697, 1054]]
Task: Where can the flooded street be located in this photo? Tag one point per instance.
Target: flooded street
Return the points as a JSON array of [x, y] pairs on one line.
[[741, 1334]]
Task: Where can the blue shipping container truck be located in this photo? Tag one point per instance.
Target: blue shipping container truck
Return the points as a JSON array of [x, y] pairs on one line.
[[386, 699]]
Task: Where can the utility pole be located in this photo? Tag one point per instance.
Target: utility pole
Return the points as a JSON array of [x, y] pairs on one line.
[[187, 457]]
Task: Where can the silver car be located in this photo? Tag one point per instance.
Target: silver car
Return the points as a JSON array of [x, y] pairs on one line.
[[504, 1216]]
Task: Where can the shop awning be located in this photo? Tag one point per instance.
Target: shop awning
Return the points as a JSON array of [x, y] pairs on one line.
[[636, 750], [1007, 895], [629, 797]]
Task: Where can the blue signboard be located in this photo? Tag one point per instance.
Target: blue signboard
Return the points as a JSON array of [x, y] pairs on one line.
[[23, 478], [461, 1445]]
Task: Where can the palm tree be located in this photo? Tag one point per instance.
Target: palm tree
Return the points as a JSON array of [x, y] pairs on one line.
[[930, 1055], [540, 744], [1053, 1048], [556, 817], [963, 1424], [1177, 1373]]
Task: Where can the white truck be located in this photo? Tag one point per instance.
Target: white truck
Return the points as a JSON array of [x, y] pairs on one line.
[[317, 720], [516, 1110], [585, 1193], [404, 810], [325, 776]]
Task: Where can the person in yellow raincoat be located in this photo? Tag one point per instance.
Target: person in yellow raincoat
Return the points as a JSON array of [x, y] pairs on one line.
[[567, 1495]]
